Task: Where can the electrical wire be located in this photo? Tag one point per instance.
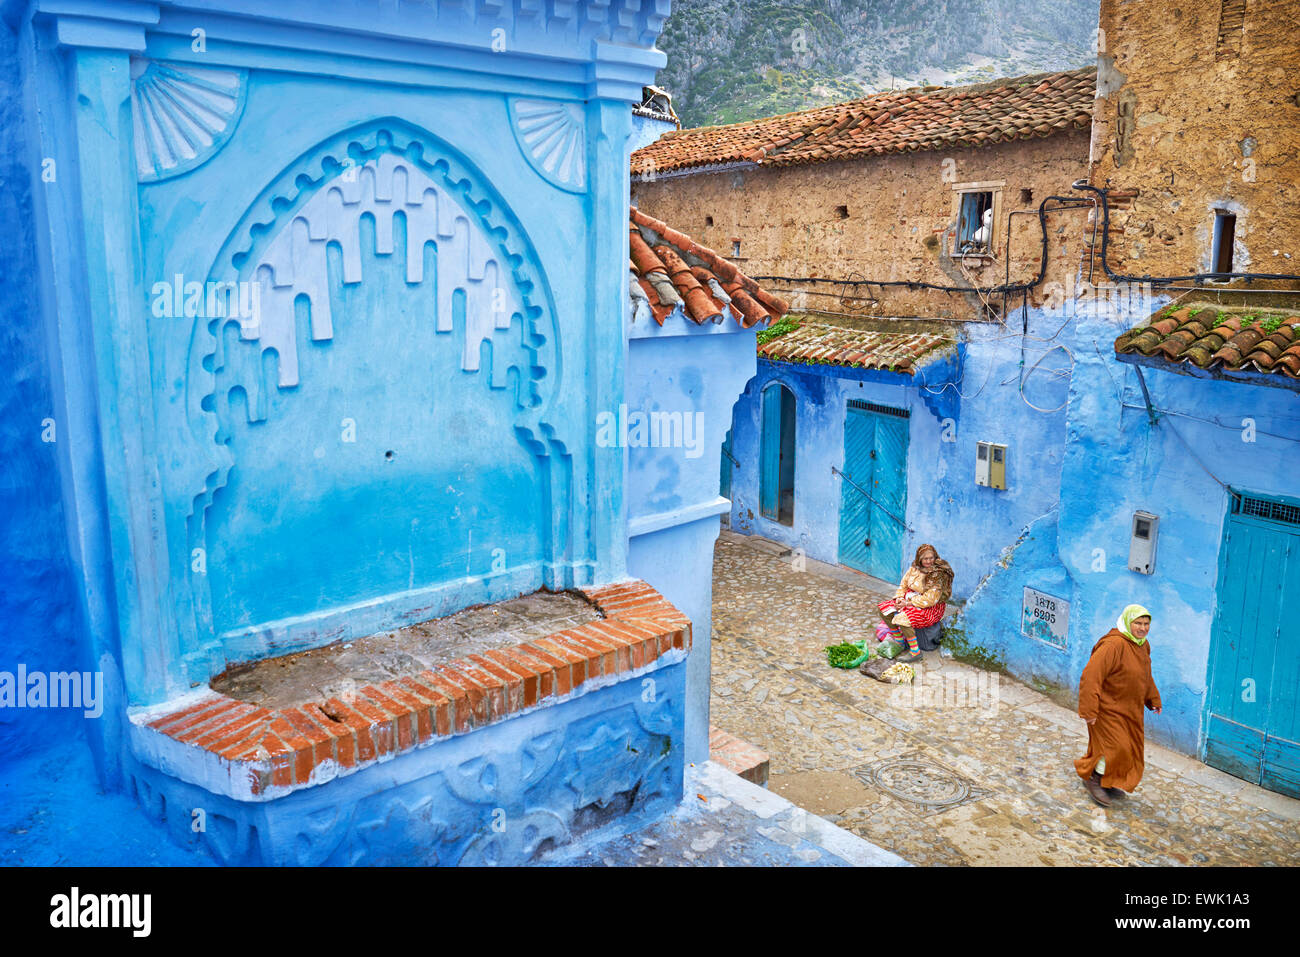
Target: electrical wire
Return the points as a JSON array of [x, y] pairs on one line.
[[1215, 422], [1066, 202], [1196, 459], [1161, 280]]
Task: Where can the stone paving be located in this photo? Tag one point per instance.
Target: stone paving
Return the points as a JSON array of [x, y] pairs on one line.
[[964, 767], [726, 821]]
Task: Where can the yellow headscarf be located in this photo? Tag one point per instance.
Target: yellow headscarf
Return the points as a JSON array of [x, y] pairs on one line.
[[1126, 618]]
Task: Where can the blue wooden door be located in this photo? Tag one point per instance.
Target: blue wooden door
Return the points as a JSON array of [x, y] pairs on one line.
[[770, 454], [855, 507], [889, 489], [1253, 727], [873, 490]]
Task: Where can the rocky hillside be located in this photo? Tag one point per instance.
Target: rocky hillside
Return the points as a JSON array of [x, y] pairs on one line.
[[731, 60]]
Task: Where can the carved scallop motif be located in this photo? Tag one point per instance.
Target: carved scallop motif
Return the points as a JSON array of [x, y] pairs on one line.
[[182, 114], [552, 137]]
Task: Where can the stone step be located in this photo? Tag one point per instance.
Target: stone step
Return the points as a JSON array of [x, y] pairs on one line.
[[738, 756]]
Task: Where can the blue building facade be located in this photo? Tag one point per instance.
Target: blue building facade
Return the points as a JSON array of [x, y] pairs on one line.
[[1086, 449]]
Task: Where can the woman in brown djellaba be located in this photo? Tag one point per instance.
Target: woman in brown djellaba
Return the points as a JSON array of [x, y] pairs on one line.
[[1116, 684]]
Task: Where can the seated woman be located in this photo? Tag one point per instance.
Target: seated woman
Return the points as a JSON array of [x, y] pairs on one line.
[[919, 601]]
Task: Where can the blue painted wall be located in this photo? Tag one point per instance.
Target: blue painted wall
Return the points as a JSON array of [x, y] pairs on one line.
[[953, 404], [1078, 467], [39, 607], [401, 431], [683, 370], [406, 426]]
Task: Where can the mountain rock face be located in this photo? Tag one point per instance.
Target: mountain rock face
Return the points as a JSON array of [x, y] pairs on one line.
[[733, 60]]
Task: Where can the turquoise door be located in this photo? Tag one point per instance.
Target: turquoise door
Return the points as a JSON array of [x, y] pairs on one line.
[[1253, 727], [873, 489], [777, 454]]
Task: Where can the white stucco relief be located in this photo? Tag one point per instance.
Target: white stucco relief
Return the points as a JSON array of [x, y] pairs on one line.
[[294, 262]]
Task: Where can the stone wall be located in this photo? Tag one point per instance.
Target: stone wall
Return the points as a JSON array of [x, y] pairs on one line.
[[883, 218], [1193, 121]]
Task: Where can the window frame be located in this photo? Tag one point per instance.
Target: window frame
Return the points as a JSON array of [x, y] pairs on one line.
[[959, 191]]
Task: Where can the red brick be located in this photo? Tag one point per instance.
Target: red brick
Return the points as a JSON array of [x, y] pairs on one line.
[[474, 694], [237, 744], [639, 608], [528, 676], [222, 730], [419, 708], [613, 648], [558, 658], [458, 702], [442, 709], [382, 725], [360, 725], [323, 747], [195, 710], [555, 681], [345, 738], [512, 684], [195, 725], [577, 663], [592, 655], [298, 744], [402, 718], [494, 689], [281, 760], [627, 590], [634, 640], [620, 640]]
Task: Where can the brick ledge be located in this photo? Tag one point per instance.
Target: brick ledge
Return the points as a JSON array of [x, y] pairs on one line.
[[252, 753]]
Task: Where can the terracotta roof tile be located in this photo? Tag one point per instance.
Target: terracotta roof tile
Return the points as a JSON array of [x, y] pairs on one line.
[[1201, 333], [980, 115], [821, 343], [672, 271]]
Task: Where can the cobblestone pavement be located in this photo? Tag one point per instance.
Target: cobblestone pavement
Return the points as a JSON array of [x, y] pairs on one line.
[[724, 821], [964, 767]]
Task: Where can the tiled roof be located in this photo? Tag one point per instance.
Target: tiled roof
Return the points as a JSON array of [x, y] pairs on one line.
[[932, 118], [670, 271], [1205, 335], [821, 343]]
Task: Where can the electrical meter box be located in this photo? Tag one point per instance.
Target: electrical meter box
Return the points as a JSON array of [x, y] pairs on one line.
[[991, 465], [1142, 543]]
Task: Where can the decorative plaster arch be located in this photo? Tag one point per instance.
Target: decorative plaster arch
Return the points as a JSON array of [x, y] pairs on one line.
[[379, 169]]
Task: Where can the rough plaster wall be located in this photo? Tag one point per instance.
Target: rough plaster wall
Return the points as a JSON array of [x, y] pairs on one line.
[[38, 617], [788, 224], [1178, 123]]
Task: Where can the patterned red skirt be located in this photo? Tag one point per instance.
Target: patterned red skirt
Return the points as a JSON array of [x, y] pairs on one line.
[[919, 617]]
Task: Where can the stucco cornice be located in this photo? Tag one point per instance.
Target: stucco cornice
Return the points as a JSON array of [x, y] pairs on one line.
[[589, 50]]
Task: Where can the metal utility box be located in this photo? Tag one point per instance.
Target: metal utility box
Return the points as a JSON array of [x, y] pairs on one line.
[[1142, 543], [991, 465]]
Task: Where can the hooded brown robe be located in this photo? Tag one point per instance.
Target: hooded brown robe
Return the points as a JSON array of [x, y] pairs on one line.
[[1115, 685]]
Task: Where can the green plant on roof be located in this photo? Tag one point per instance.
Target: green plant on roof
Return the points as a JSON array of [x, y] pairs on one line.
[[1221, 319], [777, 329], [1195, 312], [1271, 324]]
